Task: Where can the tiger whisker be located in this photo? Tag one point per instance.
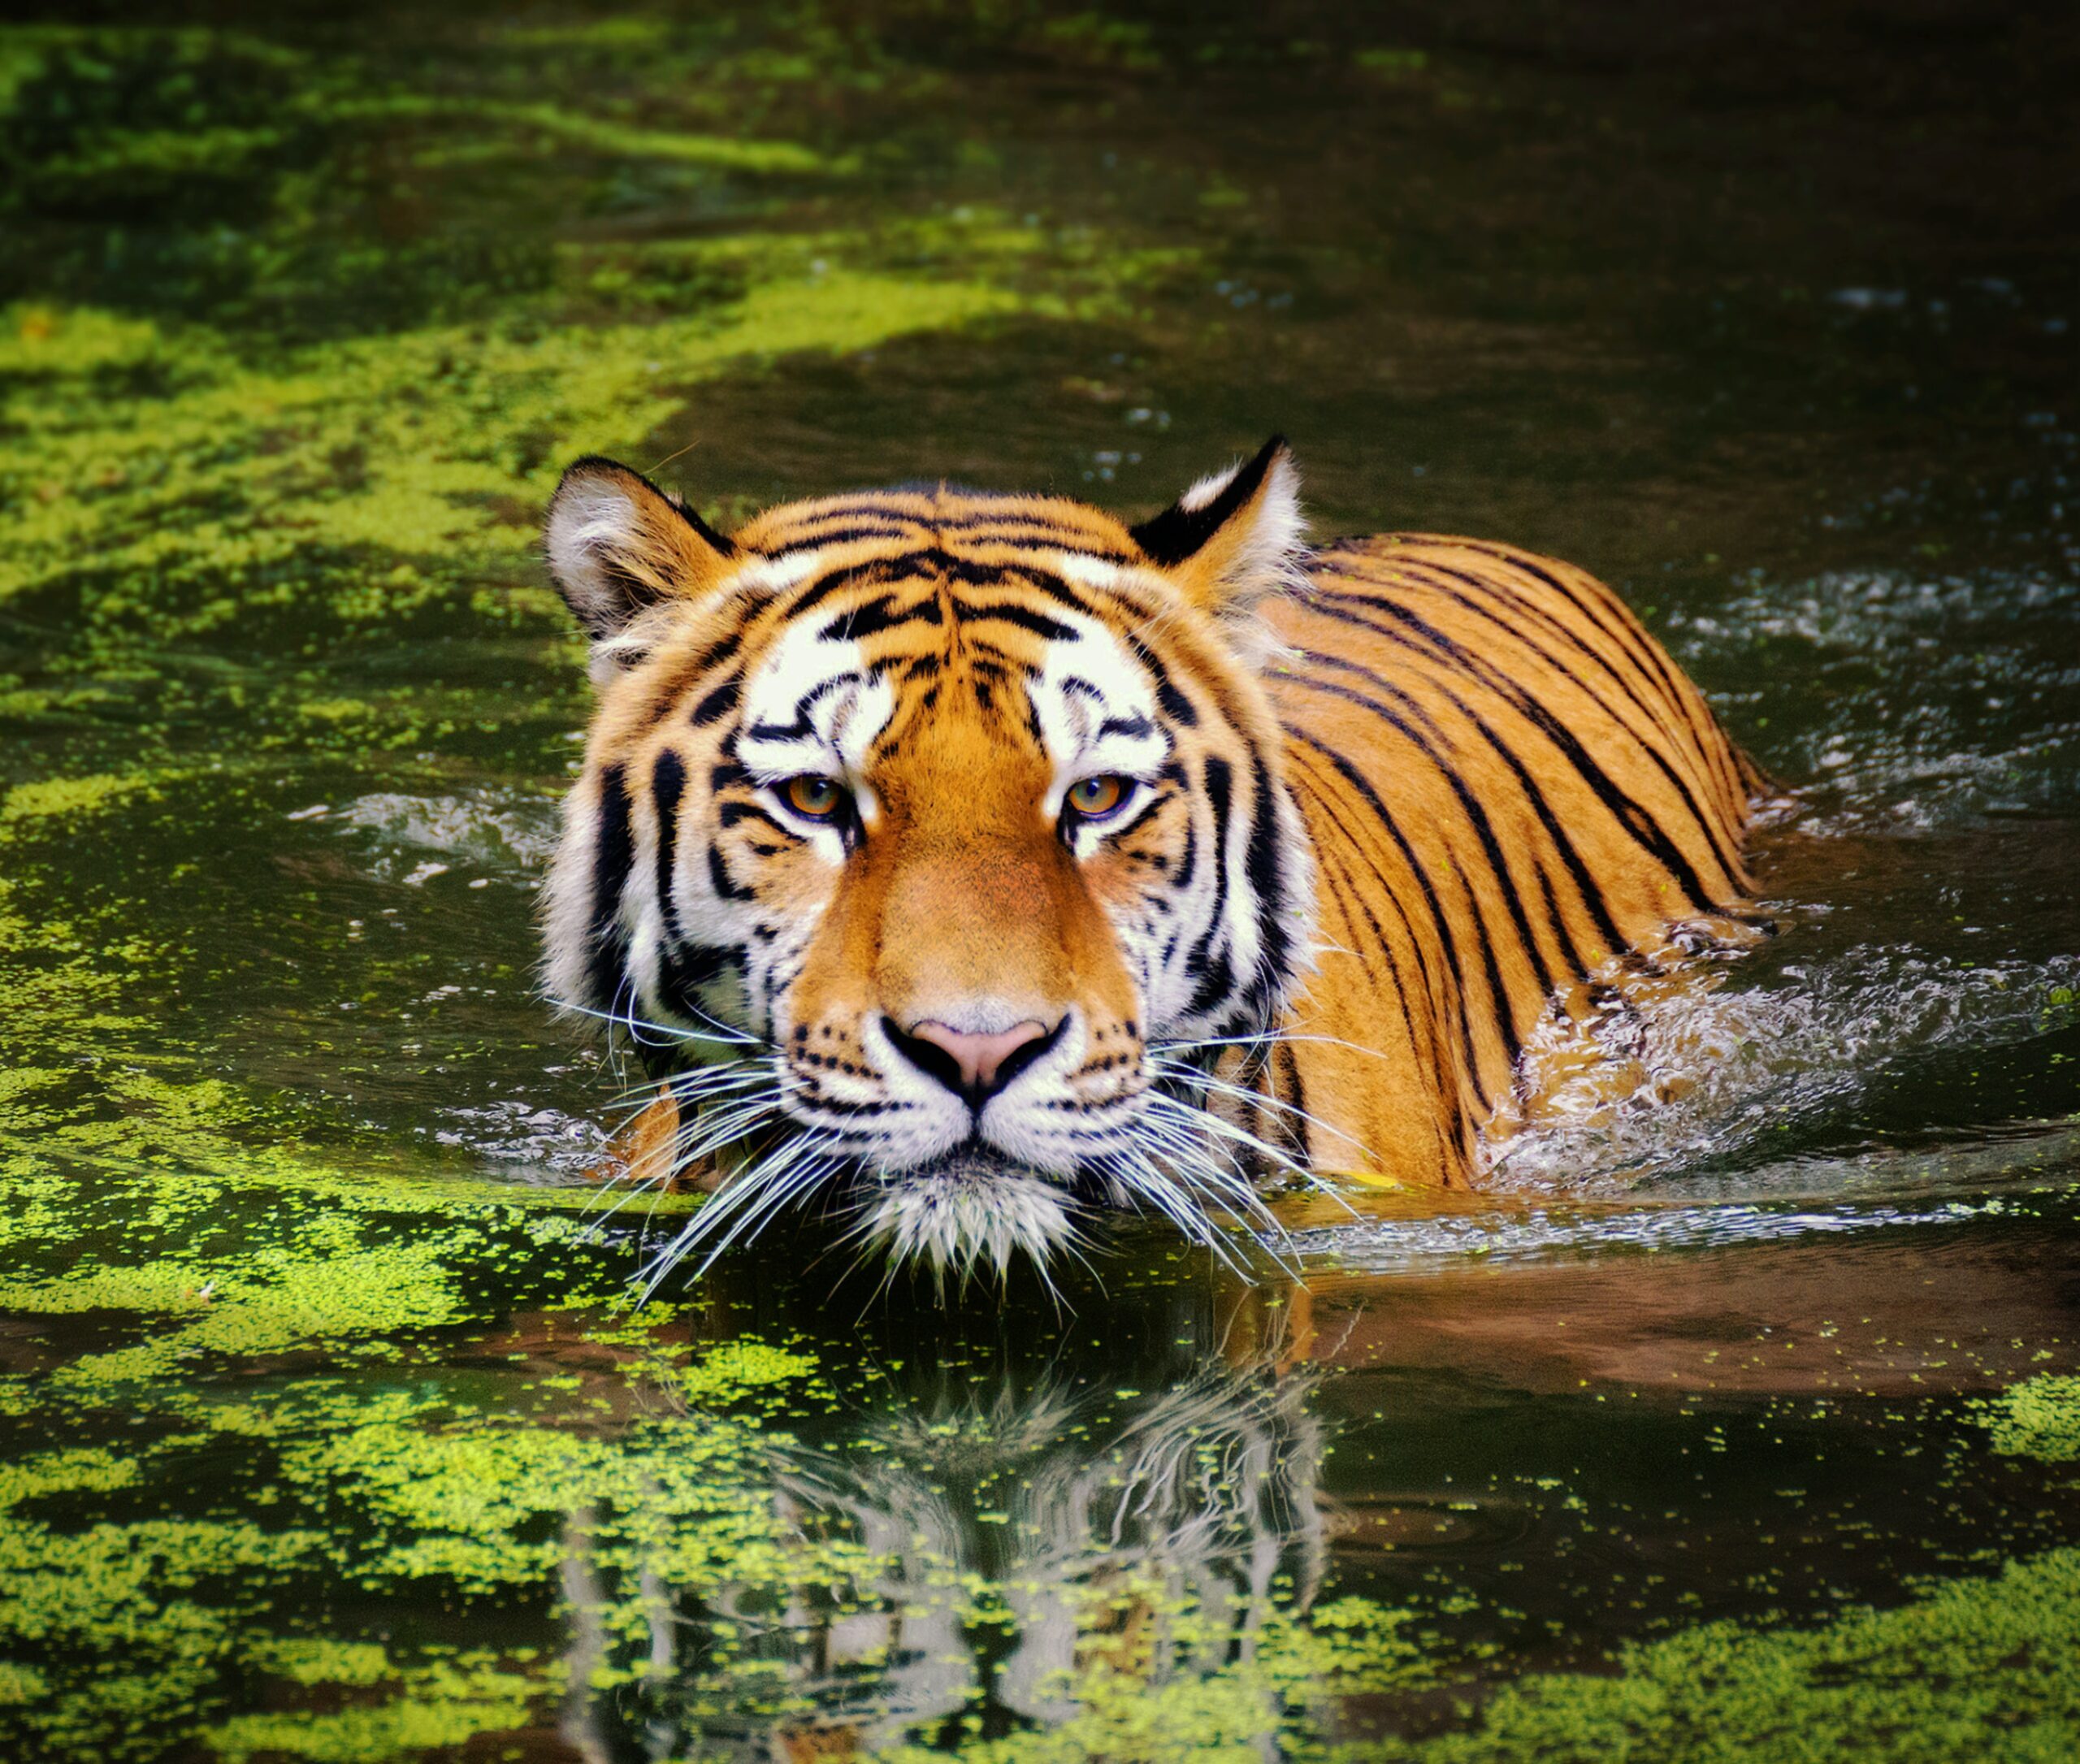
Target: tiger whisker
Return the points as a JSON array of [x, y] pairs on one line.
[[1189, 1074], [1266, 1038], [1226, 1187], [672, 1034], [1226, 1180], [1142, 1176], [794, 1180], [1213, 1123], [685, 1087], [750, 1200], [1165, 1106]]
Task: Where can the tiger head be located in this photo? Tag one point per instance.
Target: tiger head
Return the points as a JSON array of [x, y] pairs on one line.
[[935, 841]]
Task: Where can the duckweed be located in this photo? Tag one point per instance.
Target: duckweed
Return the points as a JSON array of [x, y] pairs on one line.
[[2039, 1418], [1974, 1670], [326, 1429]]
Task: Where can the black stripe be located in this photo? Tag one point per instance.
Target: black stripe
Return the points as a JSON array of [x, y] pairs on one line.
[[1216, 977], [1499, 1000], [818, 588], [930, 563], [1266, 868], [867, 507], [719, 878], [1518, 603], [1343, 889], [613, 852], [733, 814], [843, 536], [800, 728], [1055, 587], [667, 785], [1011, 613], [1629, 635], [1188, 866], [1287, 1087], [1484, 828], [1729, 860], [1634, 638], [1449, 943], [1644, 830], [880, 614], [1593, 900], [1174, 704], [681, 677], [1156, 800], [718, 704], [1501, 1004]]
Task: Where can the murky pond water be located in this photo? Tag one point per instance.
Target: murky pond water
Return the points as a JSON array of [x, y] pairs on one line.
[[1741, 1421]]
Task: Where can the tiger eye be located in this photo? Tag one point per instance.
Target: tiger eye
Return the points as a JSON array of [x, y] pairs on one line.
[[814, 797], [1092, 797]]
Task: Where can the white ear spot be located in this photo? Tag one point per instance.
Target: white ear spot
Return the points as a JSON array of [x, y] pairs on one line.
[[1208, 487]]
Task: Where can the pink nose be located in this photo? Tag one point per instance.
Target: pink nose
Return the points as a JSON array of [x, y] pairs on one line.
[[980, 1057]]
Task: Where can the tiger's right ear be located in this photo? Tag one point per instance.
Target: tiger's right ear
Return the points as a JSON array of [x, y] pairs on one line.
[[618, 545]]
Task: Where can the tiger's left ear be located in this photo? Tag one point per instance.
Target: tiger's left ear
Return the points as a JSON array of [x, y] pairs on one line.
[[1233, 538], [618, 546]]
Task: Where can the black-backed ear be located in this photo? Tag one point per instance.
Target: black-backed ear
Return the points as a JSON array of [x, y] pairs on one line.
[[1234, 537], [618, 545]]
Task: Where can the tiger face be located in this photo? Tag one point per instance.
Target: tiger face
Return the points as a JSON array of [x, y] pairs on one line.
[[932, 839]]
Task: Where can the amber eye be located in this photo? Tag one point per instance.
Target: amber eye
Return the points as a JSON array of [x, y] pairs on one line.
[[814, 797], [1095, 798]]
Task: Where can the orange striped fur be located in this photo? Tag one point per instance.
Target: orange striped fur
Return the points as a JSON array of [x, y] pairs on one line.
[[981, 860]]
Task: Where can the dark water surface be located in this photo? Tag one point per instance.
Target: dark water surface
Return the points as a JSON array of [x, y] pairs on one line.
[[1742, 1423]]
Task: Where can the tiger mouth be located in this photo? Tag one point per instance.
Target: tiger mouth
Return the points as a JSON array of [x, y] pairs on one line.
[[966, 1208]]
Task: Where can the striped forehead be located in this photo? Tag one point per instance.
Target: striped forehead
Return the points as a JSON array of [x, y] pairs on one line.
[[939, 516], [850, 668]]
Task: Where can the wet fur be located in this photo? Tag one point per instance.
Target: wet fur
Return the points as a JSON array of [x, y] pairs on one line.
[[1400, 793]]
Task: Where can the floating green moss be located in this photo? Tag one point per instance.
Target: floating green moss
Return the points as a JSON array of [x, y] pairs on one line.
[[425, 1709], [1975, 1670], [68, 796], [2039, 1418]]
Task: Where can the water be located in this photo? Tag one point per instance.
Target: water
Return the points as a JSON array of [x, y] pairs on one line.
[[1738, 1421]]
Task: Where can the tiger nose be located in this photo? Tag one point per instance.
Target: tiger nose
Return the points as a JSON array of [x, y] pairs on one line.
[[978, 1066]]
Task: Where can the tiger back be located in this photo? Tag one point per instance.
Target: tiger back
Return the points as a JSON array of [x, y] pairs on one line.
[[1509, 785]]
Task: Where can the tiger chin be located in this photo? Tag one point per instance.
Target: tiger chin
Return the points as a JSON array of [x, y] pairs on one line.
[[974, 864]]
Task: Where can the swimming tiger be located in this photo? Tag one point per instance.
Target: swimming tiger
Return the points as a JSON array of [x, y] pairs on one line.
[[981, 860]]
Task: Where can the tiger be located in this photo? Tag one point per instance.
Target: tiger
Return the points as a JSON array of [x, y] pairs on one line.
[[980, 864]]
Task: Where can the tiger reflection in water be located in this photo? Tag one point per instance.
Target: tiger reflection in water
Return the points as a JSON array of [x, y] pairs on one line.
[[1152, 1535]]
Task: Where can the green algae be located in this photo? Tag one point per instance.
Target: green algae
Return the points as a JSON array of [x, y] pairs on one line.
[[2039, 1418], [604, 135], [389, 1489], [66, 796], [1973, 1669], [63, 1473], [426, 1708], [305, 333]]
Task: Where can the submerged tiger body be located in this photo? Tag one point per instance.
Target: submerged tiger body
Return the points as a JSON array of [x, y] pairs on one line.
[[1508, 784], [982, 860]]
